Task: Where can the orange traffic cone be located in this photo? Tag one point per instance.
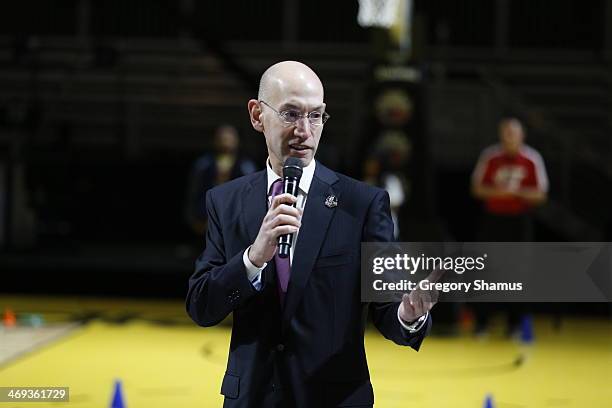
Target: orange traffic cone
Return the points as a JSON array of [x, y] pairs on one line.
[[466, 320], [9, 319]]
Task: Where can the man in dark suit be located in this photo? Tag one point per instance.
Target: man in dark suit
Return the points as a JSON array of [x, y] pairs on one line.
[[298, 322]]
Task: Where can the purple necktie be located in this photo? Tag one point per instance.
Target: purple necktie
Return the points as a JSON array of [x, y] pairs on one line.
[[283, 266]]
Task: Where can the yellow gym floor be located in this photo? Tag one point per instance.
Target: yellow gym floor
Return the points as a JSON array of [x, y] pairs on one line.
[[164, 361]]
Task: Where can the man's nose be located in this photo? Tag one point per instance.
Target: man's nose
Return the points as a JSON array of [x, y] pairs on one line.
[[302, 127]]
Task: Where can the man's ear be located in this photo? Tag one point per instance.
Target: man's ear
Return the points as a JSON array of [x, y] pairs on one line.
[[255, 115]]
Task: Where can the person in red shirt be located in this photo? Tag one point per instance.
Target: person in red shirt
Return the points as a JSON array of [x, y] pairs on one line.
[[510, 179]]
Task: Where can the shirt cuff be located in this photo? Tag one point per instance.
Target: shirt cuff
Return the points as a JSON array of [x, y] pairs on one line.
[[253, 272], [414, 326]]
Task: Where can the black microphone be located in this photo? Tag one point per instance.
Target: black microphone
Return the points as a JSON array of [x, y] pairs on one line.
[[292, 173]]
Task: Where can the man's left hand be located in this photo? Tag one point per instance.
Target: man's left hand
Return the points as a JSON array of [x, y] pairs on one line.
[[416, 303]]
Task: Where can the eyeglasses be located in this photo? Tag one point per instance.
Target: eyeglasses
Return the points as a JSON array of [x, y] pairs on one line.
[[291, 116]]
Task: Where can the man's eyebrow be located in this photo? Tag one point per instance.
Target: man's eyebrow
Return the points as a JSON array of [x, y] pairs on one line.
[[290, 105]]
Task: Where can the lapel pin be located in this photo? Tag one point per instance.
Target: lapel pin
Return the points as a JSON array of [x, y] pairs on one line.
[[331, 201]]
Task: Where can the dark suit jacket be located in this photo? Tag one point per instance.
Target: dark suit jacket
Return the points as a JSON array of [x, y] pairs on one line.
[[311, 352]]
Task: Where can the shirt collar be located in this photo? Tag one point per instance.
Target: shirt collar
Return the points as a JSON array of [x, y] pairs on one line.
[[305, 181]]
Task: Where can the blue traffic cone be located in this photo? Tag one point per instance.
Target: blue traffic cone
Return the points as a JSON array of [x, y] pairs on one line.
[[527, 335], [489, 402], [117, 401]]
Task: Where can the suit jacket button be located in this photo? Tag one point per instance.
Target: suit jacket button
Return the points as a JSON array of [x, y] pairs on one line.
[[280, 347]]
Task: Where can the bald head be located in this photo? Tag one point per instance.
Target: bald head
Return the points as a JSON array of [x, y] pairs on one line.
[[287, 78], [288, 88]]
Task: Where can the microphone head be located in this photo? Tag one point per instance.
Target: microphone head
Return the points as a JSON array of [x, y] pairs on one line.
[[292, 168]]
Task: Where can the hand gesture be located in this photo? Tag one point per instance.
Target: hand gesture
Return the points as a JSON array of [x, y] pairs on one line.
[[418, 302]]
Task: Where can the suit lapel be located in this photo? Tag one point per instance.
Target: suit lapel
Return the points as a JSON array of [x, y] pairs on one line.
[[315, 223], [254, 205]]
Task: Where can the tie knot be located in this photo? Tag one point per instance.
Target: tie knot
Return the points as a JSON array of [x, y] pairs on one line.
[[276, 188]]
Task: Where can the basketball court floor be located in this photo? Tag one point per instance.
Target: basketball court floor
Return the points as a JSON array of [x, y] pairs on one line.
[[163, 360]]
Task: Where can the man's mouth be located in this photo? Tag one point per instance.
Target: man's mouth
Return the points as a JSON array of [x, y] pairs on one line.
[[298, 147]]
